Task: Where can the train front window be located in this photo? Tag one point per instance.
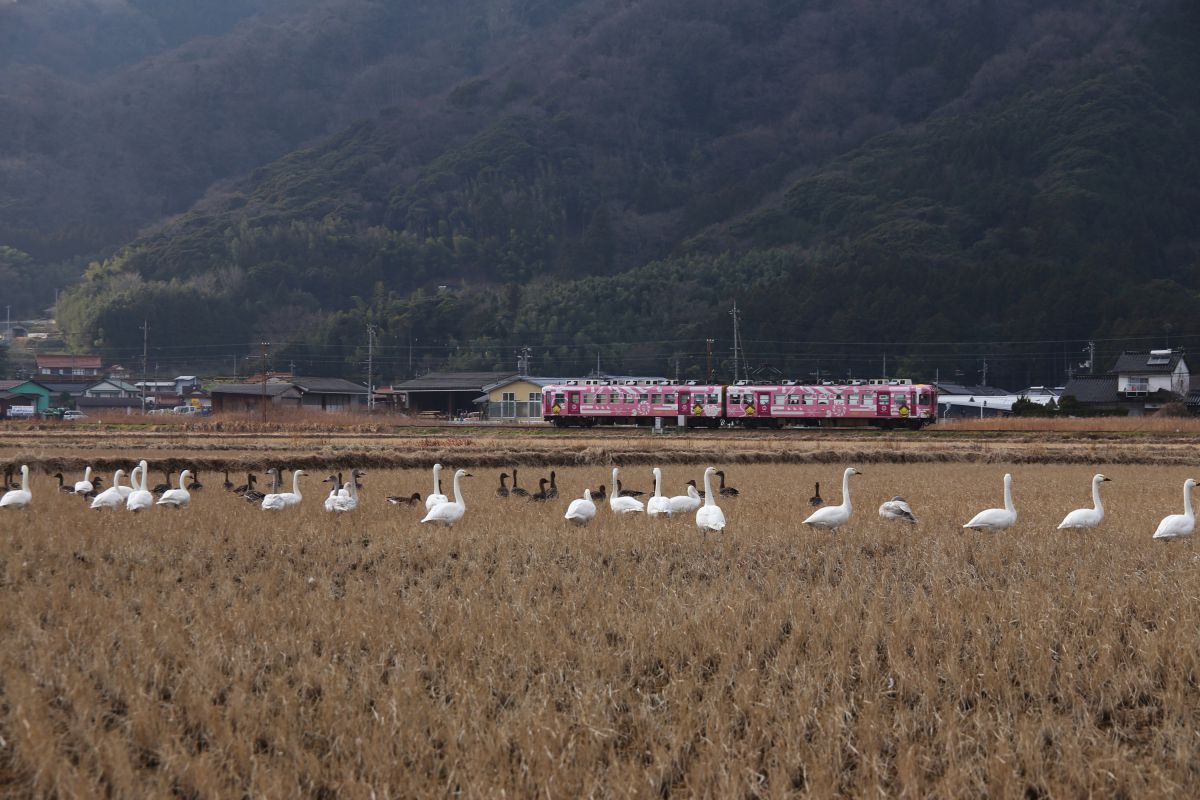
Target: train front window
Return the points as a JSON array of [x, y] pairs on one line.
[[923, 398]]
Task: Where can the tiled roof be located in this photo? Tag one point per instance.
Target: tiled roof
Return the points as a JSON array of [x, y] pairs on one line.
[[60, 360], [1093, 389], [329, 386], [1138, 362], [271, 389], [453, 381]]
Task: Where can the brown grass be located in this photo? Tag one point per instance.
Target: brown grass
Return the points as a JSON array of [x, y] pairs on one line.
[[1168, 425], [220, 651]]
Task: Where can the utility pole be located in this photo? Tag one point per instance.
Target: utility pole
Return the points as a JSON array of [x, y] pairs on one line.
[[1091, 358], [263, 412], [709, 343], [523, 360], [145, 350], [885, 365], [736, 341], [370, 368], [985, 369]]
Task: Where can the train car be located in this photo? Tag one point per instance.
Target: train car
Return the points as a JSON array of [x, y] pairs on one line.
[[586, 403], [885, 403]]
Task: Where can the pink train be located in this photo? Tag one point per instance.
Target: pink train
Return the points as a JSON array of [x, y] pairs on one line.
[[884, 403]]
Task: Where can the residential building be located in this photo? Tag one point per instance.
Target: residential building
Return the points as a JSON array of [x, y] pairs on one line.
[[446, 394], [68, 367], [515, 399], [112, 387], [318, 394], [38, 393], [1141, 374]]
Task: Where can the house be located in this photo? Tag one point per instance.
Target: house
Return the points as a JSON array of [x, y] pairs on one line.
[[331, 394], [515, 399], [1140, 383], [958, 400], [112, 387], [242, 398], [159, 394], [446, 393], [66, 367], [38, 393], [63, 394]]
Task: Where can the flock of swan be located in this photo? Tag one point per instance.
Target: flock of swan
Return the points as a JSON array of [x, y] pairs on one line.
[[440, 509]]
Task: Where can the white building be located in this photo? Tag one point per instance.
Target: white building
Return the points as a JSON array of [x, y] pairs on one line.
[[1140, 374]]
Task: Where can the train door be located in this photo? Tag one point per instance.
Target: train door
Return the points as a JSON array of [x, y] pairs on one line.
[[762, 403], [883, 404], [685, 404], [573, 402]]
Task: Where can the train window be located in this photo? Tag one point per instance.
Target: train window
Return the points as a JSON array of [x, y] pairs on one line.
[[884, 399], [560, 397], [589, 398], [656, 398], [793, 399], [735, 398], [853, 399], [838, 397], [923, 398], [670, 397], [714, 398], [808, 399], [868, 398], [780, 398], [822, 400]]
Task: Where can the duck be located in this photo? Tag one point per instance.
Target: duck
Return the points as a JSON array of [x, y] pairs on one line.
[[582, 509], [541, 495], [449, 513], [18, 498], [227, 485], [622, 504], [177, 498], [552, 492], [111, 497], [686, 503], [436, 498], [997, 519], [399, 500], [623, 492], [517, 490], [897, 509], [599, 493], [9, 483], [140, 498], [278, 501], [1087, 518], [815, 501], [1175, 526], [164, 487], [831, 518], [62, 486], [247, 486], [97, 487], [709, 517], [195, 485], [726, 491], [503, 490], [252, 494], [657, 504]]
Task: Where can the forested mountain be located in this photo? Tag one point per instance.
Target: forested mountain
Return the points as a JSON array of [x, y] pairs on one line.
[[476, 175]]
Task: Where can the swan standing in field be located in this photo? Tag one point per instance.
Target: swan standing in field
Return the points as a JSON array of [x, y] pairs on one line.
[[1085, 518], [658, 504], [177, 498], [282, 500], [133, 479], [686, 503], [112, 496], [710, 517], [1176, 526], [84, 486], [897, 509], [335, 486], [140, 497], [347, 496], [582, 510], [621, 504], [437, 498], [831, 518], [450, 513], [997, 519], [18, 498]]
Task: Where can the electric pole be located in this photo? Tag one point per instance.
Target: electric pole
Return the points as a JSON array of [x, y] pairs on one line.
[[145, 349], [370, 368], [523, 361], [885, 365], [263, 411], [736, 341], [709, 343], [1091, 358], [985, 369]]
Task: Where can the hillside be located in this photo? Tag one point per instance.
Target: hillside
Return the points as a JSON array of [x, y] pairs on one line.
[[610, 176]]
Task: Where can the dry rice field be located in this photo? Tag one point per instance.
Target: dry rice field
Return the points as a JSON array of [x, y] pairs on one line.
[[222, 651]]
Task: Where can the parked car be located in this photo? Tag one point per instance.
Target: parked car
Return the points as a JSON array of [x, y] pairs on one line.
[[72, 415]]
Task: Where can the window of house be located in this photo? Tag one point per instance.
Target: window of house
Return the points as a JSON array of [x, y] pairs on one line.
[[508, 397], [535, 397]]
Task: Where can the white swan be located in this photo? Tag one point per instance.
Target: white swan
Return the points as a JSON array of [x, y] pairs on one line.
[[436, 498], [582, 510], [334, 490], [450, 513], [1176, 526], [140, 497], [831, 518], [898, 509], [133, 478], [658, 504], [347, 497], [178, 498], [685, 503], [111, 497], [622, 505], [1083, 518], [997, 519], [18, 498], [710, 517], [84, 486], [282, 500]]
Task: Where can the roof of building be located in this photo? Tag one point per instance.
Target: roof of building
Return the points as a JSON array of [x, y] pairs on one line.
[[116, 383], [60, 360], [1153, 362], [526, 379], [68, 387], [453, 381], [109, 402], [8, 385], [270, 389], [12, 396], [1093, 389], [328, 386], [976, 391]]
